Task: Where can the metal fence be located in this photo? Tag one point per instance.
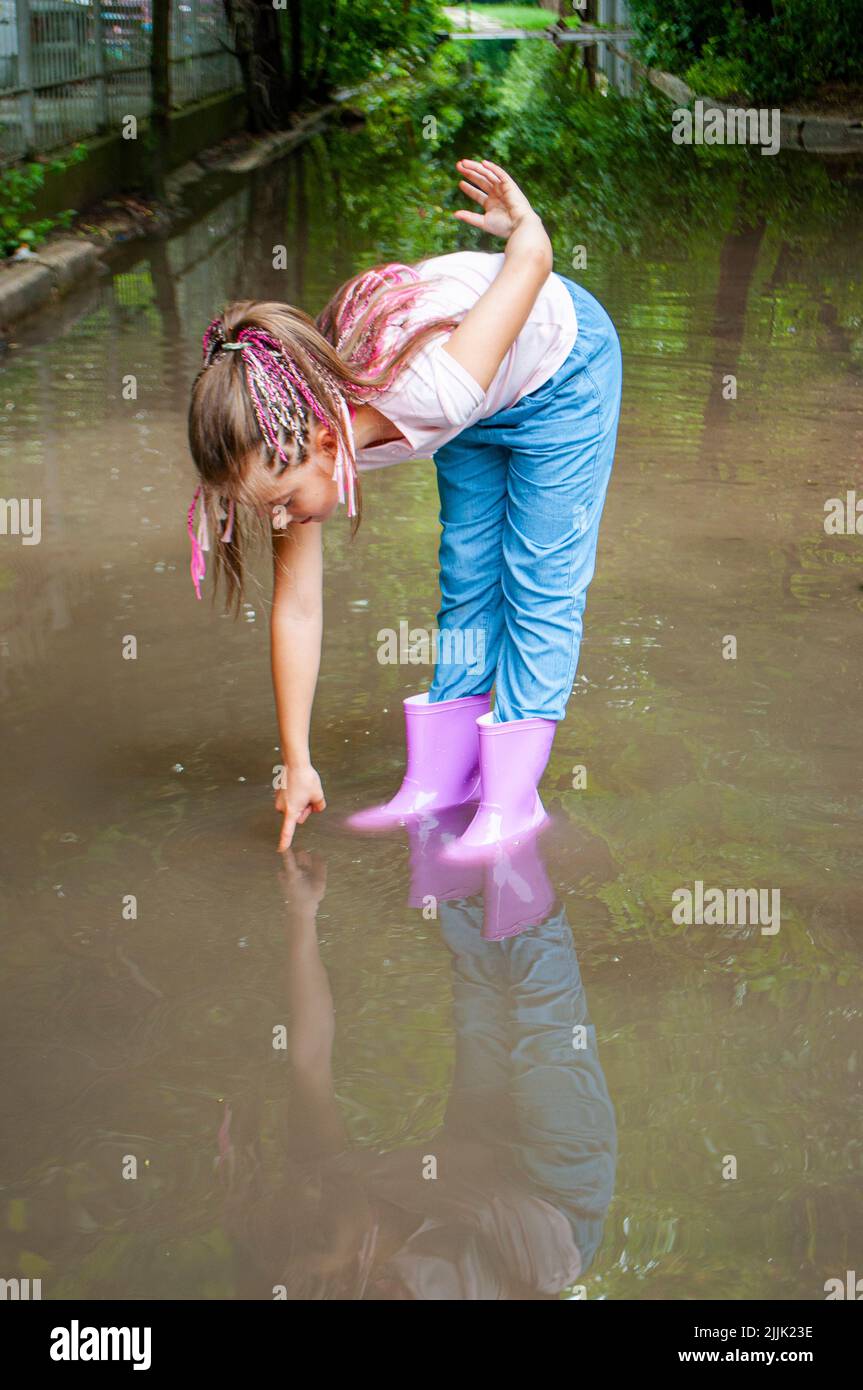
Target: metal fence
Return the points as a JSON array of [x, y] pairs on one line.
[[70, 69]]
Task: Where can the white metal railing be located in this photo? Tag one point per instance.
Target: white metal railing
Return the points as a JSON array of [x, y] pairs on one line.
[[70, 69]]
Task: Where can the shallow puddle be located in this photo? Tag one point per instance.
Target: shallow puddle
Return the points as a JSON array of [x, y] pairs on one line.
[[351, 1075]]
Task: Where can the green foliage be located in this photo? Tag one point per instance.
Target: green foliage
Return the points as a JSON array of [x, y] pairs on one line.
[[19, 187], [597, 165], [723, 78], [434, 105], [673, 33], [347, 42], [772, 53], [806, 44], [605, 165]]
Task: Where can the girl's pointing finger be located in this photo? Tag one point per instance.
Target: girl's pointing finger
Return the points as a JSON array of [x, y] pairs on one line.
[[287, 834]]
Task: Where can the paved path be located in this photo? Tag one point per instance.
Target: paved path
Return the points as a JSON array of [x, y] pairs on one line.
[[459, 17], [482, 27]]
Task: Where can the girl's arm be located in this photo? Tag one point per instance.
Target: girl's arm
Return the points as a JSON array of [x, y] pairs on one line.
[[296, 627], [488, 331]]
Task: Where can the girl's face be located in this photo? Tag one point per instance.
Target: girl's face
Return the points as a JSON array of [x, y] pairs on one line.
[[301, 493]]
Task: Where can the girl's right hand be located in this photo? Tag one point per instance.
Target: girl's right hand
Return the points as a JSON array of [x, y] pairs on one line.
[[503, 203], [301, 794]]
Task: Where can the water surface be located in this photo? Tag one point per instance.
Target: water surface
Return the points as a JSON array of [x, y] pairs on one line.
[[412, 1035]]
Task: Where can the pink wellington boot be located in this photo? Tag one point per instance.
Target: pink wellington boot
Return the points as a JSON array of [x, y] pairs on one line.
[[442, 761], [512, 758]]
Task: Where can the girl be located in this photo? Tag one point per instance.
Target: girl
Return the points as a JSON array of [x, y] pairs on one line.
[[509, 376]]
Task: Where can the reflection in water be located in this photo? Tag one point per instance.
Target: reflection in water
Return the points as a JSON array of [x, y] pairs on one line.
[[514, 886], [507, 1198]]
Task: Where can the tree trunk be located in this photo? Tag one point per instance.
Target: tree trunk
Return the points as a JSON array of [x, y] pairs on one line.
[[737, 263], [173, 338], [160, 96], [258, 46], [300, 228], [297, 83], [319, 79]]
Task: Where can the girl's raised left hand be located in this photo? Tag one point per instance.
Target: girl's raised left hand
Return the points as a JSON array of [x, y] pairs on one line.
[[503, 203]]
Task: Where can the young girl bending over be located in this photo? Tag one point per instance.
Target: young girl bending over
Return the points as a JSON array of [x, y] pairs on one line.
[[509, 376]]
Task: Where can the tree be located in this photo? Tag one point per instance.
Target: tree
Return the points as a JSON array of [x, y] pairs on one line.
[[297, 80], [258, 45], [160, 96], [292, 52]]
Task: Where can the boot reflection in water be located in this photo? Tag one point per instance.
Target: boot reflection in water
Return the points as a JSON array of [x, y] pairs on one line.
[[512, 883], [524, 1158]]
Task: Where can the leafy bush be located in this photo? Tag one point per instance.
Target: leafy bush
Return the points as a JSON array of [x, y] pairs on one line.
[[460, 95], [723, 78], [773, 50], [604, 168], [347, 41], [18, 189]]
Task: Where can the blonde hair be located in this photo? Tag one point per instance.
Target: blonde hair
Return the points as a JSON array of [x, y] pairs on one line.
[[347, 355]]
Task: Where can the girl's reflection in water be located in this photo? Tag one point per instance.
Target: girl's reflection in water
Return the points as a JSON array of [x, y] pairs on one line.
[[508, 1199]]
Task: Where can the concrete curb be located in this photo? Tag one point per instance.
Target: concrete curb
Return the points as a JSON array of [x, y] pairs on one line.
[[271, 147], [798, 130], [58, 268]]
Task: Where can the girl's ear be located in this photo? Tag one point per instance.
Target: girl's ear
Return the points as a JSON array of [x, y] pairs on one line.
[[325, 440]]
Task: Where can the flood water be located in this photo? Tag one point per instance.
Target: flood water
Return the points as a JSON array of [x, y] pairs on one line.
[[222, 1071]]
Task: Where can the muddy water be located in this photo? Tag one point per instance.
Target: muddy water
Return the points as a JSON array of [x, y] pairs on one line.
[[221, 1072]]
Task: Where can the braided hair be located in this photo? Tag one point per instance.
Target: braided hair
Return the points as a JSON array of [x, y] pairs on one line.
[[268, 371]]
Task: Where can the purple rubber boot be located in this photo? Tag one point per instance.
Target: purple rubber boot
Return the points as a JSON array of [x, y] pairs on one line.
[[512, 757], [442, 761]]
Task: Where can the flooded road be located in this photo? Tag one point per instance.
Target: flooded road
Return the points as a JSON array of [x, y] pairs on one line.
[[349, 1076]]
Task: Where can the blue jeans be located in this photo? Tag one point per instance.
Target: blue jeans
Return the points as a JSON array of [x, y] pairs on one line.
[[521, 496]]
